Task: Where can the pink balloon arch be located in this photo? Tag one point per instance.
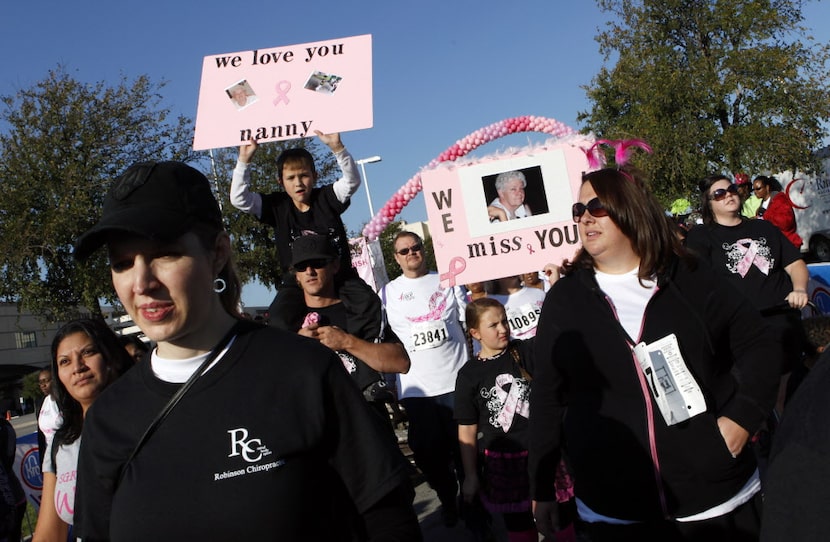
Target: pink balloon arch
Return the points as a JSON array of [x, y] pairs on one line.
[[412, 187]]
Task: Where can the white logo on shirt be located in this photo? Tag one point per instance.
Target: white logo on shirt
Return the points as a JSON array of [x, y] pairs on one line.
[[251, 450]]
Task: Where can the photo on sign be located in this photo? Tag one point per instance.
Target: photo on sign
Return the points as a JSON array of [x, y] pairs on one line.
[[508, 194], [241, 94], [516, 193], [323, 83]]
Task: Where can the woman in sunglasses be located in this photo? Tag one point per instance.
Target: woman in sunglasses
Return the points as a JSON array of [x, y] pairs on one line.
[[651, 375], [757, 259]]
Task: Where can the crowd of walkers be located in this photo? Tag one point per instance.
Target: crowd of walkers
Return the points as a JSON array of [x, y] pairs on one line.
[[625, 395]]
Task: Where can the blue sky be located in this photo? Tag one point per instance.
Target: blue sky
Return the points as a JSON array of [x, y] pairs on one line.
[[441, 69]]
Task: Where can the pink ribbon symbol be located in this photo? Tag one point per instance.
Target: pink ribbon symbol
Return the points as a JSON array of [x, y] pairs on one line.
[[457, 266], [511, 402], [750, 257], [530, 249], [282, 89]]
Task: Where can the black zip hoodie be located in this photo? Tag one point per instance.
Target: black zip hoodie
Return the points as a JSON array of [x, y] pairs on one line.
[[590, 403]]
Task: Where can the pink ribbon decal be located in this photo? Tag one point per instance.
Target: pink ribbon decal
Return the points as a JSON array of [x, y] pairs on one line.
[[511, 404], [750, 257], [457, 266], [282, 89], [530, 249]]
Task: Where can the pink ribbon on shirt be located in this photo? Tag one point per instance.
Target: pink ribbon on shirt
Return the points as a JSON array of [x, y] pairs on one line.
[[511, 405], [750, 257], [310, 319]]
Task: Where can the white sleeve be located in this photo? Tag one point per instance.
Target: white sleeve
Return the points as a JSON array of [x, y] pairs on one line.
[[461, 300], [47, 458], [349, 183], [241, 196]]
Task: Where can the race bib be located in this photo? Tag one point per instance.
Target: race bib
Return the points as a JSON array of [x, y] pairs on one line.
[[426, 335], [672, 385], [523, 319]]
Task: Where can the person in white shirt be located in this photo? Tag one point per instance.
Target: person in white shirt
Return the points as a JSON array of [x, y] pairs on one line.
[[522, 304], [427, 318]]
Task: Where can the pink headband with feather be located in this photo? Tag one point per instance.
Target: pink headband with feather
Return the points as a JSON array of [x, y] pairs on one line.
[[622, 151]]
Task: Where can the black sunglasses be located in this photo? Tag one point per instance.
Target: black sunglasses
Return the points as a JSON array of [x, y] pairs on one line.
[[721, 193], [594, 208], [757, 188], [414, 248], [317, 263]]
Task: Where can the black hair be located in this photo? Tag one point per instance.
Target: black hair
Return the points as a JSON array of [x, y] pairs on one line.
[[117, 361], [705, 201]]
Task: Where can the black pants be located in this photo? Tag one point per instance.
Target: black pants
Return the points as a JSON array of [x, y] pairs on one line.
[[433, 439]]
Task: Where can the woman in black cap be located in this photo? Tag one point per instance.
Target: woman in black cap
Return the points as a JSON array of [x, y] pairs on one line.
[[232, 431]]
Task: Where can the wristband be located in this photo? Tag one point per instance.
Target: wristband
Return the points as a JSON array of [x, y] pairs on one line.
[[800, 291]]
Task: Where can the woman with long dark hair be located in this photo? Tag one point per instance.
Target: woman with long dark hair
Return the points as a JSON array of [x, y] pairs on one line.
[[86, 358], [651, 374]]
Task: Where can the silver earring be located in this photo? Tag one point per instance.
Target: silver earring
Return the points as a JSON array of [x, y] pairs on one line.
[[219, 285]]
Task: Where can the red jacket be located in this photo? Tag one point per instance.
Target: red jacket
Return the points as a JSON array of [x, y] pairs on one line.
[[780, 213]]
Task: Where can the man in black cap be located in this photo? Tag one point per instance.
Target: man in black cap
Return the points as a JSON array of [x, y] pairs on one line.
[[365, 355]]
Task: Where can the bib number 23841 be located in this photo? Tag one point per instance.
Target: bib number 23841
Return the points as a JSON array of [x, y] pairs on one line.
[[426, 335]]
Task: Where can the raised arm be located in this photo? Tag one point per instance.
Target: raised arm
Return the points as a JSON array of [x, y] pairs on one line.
[[348, 184], [241, 196]]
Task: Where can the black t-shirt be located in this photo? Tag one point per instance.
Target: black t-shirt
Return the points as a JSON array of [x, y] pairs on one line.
[[279, 212], [752, 255], [363, 375], [274, 442], [494, 394]]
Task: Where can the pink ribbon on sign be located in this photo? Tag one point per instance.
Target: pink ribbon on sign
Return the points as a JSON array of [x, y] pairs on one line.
[[511, 405], [530, 249], [457, 266], [751, 257], [282, 89]]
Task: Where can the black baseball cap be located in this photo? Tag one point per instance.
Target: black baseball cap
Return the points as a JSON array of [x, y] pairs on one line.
[[312, 247], [156, 200]]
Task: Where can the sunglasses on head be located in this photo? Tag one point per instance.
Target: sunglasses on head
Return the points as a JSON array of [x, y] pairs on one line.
[[317, 263], [721, 193], [414, 248], [594, 208]]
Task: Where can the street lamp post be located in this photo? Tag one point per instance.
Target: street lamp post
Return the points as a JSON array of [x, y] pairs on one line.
[[362, 162]]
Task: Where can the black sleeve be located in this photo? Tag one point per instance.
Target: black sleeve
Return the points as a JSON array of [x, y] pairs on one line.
[[466, 410], [393, 519], [368, 461], [547, 408], [698, 242]]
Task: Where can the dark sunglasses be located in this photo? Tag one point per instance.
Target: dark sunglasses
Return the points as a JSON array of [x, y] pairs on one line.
[[413, 248], [594, 208], [721, 193], [758, 188], [318, 263]]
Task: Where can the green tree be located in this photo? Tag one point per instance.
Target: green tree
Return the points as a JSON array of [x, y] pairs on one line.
[[713, 86], [63, 143], [253, 242], [31, 388]]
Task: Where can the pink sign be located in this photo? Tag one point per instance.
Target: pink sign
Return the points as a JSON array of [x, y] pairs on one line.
[[505, 215], [285, 93]]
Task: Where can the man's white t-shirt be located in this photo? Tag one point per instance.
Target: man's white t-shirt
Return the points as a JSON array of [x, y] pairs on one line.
[[426, 318]]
